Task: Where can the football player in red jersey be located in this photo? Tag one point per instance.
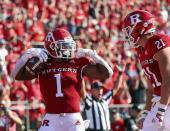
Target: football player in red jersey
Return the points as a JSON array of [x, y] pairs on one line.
[[60, 79], [153, 52]]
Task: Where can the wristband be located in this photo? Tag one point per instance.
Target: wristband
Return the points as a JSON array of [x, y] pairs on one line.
[[162, 108]]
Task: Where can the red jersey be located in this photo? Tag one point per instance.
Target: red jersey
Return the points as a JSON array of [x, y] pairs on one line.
[[118, 126], [149, 64], [60, 85], [2, 30]]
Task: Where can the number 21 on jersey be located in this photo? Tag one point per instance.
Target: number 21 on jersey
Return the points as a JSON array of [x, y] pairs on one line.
[[58, 84], [159, 43]]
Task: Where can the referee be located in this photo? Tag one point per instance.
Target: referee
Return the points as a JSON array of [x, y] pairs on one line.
[[97, 105]]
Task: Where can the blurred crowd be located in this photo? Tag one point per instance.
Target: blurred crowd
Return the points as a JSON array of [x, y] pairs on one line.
[[94, 24]]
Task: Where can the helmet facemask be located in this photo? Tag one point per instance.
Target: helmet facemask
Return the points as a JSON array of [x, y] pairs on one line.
[[132, 35], [64, 49], [128, 38]]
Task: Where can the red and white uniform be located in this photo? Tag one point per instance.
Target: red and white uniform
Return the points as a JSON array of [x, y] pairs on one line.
[[151, 69], [149, 64], [60, 85]]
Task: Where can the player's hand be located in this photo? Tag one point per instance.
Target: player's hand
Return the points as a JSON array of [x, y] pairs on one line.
[[158, 120], [139, 123], [84, 52], [38, 52]]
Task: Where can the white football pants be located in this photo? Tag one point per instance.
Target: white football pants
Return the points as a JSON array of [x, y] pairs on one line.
[[148, 126], [62, 122]]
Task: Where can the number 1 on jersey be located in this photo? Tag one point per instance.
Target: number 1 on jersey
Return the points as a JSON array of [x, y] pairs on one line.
[[58, 83]]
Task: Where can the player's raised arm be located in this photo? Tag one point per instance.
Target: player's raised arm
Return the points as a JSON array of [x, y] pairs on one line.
[[20, 72], [99, 70]]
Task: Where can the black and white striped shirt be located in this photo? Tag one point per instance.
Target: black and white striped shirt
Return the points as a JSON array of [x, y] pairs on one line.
[[97, 111]]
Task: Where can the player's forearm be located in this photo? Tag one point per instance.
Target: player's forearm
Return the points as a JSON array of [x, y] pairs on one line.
[[19, 66], [164, 101], [149, 94], [101, 64], [21, 73], [165, 92], [101, 61]]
